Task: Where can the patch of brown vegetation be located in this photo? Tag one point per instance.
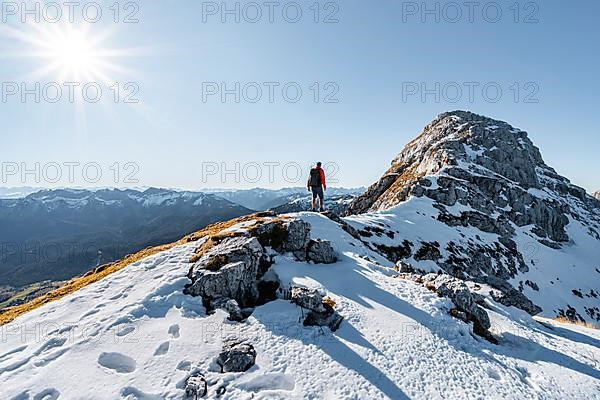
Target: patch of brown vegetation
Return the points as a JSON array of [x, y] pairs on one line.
[[329, 302], [431, 287], [9, 314], [565, 320]]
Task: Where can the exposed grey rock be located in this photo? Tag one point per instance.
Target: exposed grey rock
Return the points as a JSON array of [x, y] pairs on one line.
[[236, 357], [506, 295], [234, 310], [320, 252], [499, 156], [497, 182], [284, 236], [428, 251], [330, 319], [319, 313], [196, 387], [310, 299], [344, 225], [230, 270], [460, 294], [298, 236], [597, 194]]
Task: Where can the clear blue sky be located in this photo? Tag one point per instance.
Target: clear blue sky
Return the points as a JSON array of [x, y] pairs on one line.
[[370, 54]]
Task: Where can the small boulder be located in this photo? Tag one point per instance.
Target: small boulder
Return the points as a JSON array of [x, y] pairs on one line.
[[310, 299], [236, 357], [196, 387], [232, 307], [298, 236], [320, 252], [320, 312]]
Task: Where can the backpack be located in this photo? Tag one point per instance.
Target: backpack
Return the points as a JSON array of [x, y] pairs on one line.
[[315, 177]]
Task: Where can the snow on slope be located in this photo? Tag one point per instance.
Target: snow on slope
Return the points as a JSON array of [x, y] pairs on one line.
[[556, 272], [487, 208], [135, 335]]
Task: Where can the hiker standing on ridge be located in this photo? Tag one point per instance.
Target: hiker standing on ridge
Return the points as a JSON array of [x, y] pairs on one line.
[[316, 184]]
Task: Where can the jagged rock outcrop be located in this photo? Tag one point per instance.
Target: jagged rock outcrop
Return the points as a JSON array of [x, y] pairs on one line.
[[489, 183], [597, 194], [231, 269], [484, 164]]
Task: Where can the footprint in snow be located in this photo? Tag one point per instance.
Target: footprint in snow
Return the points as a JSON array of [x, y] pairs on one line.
[[132, 393], [184, 365], [47, 394], [492, 373], [117, 362], [50, 357], [11, 352], [125, 330], [162, 349], [269, 382], [22, 396], [50, 344], [89, 313], [174, 331]]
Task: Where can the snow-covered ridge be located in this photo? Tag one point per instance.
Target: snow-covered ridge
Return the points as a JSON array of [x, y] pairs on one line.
[[136, 335], [77, 198]]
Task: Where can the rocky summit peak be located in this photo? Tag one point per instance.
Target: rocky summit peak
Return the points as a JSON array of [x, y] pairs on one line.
[[505, 214], [597, 194], [461, 144]]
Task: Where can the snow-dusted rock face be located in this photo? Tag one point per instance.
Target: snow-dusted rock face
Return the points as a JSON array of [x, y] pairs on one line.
[[512, 221], [597, 194]]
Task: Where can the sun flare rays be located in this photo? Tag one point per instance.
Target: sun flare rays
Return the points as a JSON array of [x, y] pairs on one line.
[[65, 52]]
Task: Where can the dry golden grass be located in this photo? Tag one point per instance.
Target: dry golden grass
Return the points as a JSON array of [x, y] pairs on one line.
[[565, 320], [329, 302], [431, 287], [9, 314]]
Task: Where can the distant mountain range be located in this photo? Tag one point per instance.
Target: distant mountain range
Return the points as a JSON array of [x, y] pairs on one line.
[[53, 235], [17, 192], [58, 234]]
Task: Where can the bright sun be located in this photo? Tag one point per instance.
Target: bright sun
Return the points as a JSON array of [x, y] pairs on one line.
[[72, 51], [67, 53]]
